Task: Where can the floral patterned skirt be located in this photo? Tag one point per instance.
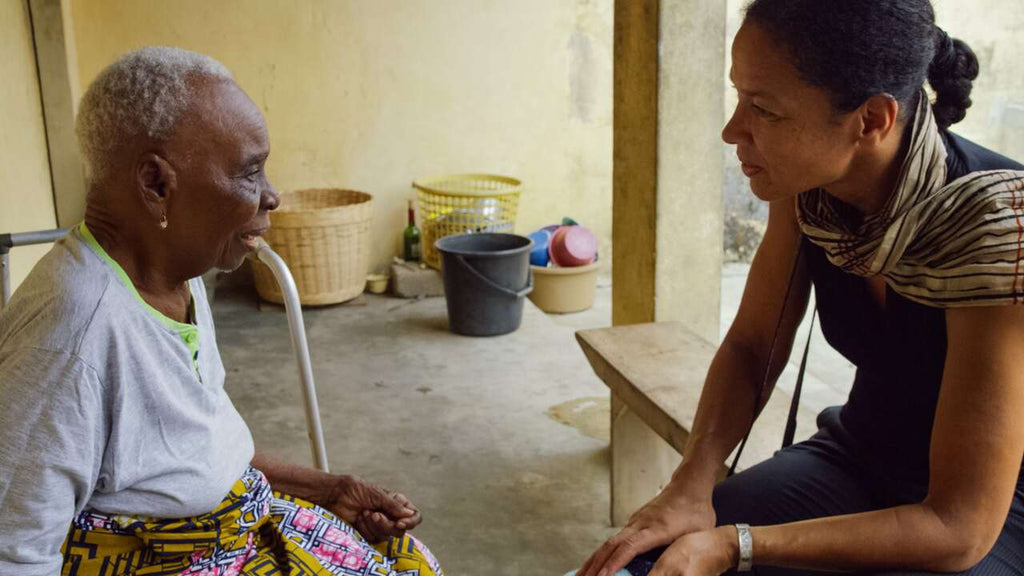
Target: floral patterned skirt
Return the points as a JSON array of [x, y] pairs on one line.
[[253, 532]]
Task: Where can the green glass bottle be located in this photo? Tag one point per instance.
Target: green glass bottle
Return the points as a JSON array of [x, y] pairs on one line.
[[411, 238]]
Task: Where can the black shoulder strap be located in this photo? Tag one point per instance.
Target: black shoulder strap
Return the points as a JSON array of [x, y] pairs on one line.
[[787, 438], [763, 391]]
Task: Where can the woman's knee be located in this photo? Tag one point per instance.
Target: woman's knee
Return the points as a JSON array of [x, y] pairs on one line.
[[798, 483]]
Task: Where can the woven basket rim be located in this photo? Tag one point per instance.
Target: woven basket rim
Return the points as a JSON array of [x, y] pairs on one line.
[[364, 199], [514, 186]]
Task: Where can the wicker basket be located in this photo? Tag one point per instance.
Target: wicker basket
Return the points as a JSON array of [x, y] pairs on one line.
[[323, 235], [460, 203]]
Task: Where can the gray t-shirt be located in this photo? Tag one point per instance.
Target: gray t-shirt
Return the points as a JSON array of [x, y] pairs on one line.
[[105, 404]]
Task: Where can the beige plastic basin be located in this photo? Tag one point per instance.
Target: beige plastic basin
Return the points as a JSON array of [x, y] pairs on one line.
[[563, 290]]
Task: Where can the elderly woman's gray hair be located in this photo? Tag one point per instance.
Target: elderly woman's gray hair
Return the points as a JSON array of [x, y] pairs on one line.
[[144, 92]]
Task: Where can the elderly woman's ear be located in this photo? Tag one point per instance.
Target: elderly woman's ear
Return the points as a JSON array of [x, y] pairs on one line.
[[156, 182]]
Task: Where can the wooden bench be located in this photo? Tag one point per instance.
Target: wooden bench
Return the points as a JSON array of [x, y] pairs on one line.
[[656, 373]]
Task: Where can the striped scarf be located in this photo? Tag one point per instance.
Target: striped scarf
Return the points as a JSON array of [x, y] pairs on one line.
[[942, 245]]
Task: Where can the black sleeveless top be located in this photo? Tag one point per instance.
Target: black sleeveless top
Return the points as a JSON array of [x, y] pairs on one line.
[[899, 353]]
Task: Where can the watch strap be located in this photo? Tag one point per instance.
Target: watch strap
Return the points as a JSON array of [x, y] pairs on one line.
[[746, 561]]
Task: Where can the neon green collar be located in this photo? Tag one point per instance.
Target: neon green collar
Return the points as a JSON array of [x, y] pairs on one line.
[[189, 333]]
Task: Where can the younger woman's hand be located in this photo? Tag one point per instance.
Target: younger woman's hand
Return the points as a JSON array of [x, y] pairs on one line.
[[706, 553], [671, 514]]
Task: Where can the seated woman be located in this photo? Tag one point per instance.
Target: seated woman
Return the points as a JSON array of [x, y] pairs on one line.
[[120, 452], [913, 239]]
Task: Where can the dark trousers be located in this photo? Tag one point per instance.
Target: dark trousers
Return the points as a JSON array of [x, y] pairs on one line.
[[819, 478]]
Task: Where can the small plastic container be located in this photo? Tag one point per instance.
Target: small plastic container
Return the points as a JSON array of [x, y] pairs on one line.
[[377, 283], [563, 290]]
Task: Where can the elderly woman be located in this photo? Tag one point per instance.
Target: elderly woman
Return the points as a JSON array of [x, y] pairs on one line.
[[912, 239], [120, 452]]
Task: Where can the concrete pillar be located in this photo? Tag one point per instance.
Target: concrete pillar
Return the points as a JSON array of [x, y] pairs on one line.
[[691, 103], [53, 34], [667, 173]]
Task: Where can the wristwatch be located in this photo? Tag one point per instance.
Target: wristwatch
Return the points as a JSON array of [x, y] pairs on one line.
[[746, 548]]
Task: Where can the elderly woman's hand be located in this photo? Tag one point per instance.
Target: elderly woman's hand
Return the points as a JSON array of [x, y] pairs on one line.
[[376, 513]]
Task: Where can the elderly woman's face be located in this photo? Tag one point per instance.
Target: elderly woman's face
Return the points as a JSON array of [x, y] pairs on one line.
[[787, 135], [223, 196]]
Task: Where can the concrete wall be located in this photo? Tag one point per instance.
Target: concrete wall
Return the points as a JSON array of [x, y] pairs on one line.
[[992, 28], [53, 35], [26, 196], [371, 95]]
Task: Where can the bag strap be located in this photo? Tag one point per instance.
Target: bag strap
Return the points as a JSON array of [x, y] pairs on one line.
[[771, 356], [787, 438]]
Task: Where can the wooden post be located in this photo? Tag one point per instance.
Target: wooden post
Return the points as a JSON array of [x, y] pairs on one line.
[[667, 180], [635, 161]]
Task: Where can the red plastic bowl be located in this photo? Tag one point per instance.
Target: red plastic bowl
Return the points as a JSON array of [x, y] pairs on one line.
[[572, 246]]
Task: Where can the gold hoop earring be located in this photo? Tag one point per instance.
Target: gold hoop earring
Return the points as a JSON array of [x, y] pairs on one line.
[[163, 222]]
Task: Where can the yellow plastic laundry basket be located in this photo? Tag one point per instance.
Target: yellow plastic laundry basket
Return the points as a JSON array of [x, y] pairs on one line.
[[461, 203]]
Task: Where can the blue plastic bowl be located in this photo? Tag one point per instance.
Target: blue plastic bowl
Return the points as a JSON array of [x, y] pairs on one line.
[[539, 254]]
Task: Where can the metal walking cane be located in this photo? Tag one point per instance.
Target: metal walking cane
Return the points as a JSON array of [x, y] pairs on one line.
[[293, 309]]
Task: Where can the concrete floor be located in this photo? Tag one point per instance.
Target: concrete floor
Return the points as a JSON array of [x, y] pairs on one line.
[[502, 442], [458, 424]]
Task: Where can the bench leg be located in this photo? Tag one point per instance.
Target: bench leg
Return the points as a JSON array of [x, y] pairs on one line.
[[642, 462]]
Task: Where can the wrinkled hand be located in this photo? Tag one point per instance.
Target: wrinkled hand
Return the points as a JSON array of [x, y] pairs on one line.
[[661, 521], [707, 553], [376, 513]]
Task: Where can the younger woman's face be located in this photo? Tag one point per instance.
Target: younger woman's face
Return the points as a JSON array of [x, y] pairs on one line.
[[788, 137]]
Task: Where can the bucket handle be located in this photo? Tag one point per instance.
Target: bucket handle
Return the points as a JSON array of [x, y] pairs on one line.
[[515, 294]]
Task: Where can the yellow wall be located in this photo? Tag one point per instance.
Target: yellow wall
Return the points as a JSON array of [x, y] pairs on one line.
[[26, 196], [371, 95]]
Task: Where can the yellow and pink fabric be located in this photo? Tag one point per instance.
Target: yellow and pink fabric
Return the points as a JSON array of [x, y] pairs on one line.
[[253, 532]]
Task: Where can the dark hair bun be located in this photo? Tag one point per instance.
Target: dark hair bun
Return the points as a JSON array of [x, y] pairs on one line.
[[856, 49], [952, 74]]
